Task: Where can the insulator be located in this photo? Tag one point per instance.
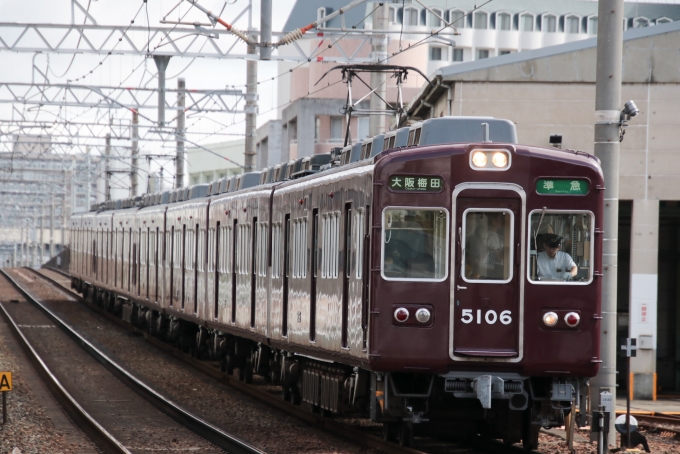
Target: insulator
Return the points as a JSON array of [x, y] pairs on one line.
[[241, 35], [456, 385], [290, 37], [513, 387]]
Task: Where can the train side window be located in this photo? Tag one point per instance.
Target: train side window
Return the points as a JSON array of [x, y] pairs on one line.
[[359, 241], [560, 240], [331, 245], [201, 251], [262, 249], [275, 250], [488, 252], [415, 244]]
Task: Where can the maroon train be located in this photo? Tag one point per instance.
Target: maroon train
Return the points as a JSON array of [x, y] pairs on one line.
[[402, 283]]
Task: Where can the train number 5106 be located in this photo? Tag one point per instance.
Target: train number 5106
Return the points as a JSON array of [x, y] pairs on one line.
[[490, 317]]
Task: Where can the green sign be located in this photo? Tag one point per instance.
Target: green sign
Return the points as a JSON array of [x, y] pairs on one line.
[[416, 183], [562, 187]]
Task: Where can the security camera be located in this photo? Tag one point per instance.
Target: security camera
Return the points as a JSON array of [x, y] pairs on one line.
[[630, 109]]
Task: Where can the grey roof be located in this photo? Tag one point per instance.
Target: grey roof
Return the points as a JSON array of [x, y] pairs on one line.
[[304, 11], [549, 51]]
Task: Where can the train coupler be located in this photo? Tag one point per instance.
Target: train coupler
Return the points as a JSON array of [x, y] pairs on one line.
[[488, 387]]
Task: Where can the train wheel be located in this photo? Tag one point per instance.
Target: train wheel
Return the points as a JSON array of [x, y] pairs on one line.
[[245, 372], [405, 434], [285, 393], [295, 396], [390, 430], [229, 363], [529, 432]]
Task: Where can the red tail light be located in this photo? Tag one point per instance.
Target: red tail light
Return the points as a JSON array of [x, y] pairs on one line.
[[572, 319], [401, 315]]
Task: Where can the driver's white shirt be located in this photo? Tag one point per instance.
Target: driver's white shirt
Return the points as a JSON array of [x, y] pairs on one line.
[[557, 267]]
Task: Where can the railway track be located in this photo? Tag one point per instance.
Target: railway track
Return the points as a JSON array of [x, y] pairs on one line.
[[659, 422], [357, 434], [119, 419]]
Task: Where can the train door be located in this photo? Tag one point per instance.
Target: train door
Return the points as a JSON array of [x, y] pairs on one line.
[[286, 268], [346, 273], [253, 272], [314, 260], [487, 281]]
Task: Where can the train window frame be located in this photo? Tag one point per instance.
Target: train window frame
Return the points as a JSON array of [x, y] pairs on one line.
[[511, 236], [447, 233], [591, 271]]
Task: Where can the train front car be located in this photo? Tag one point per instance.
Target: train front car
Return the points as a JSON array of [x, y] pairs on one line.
[[485, 288]]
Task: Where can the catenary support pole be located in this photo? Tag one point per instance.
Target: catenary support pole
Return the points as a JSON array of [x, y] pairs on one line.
[[42, 233], [161, 64], [607, 115], [251, 109], [107, 169], [52, 225], [181, 130], [64, 210], [376, 123], [265, 29], [88, 182], [134, 155]]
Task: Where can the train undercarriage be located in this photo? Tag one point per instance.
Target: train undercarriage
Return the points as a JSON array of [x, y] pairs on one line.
[[407, 404]]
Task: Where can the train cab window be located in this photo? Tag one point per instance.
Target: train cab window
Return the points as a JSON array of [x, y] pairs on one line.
[[415, 244], [561, 249], [487, 255]]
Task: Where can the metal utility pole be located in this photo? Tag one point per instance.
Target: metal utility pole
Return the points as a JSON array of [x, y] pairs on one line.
[[42, 233], [181, 131], [21, 246], [265, 29], [134, 163], [376, 123], [64, 207], [88, 183], [251, 109], [52, 226], [107, 169], [161, 64], [607, 117]]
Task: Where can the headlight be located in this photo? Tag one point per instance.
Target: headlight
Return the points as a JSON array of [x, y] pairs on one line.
[[479, 158], [550, 318], [499, 159], [489, 159]]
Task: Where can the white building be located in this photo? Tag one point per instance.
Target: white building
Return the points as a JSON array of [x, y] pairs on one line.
[[215, 161]]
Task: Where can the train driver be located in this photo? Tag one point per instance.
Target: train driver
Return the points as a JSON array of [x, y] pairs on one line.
[[554, 264]]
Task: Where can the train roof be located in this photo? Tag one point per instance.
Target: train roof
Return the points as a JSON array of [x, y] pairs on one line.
[[434, 131]]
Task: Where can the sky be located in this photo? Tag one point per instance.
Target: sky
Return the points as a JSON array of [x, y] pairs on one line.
[[199, 73], [119, 70]]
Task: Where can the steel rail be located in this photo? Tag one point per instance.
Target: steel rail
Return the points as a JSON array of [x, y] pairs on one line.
[[476, 443], [197, 425], [92, 429], [265, 397]]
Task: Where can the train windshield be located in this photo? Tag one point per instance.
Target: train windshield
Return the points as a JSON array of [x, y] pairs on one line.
[[561, 247], [415, 244], [488, 237]]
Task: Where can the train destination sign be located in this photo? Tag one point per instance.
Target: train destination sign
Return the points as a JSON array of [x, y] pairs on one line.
[[416, 183], [562, 186]]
